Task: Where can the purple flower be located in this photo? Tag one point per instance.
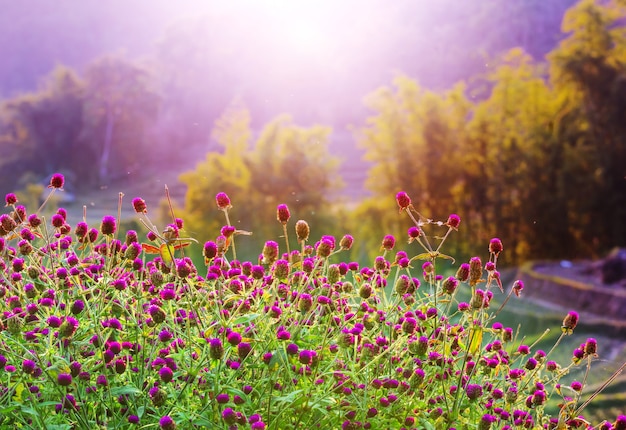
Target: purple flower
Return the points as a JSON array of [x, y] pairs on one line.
[[388, 242], [222, 398], [403, 200], [167, 423], [166, 374], [64, 379], [216, 349], [139, 205], [57, 181], [28, 366], [108, 225], [473, 391], [233, 338], [283, 335]]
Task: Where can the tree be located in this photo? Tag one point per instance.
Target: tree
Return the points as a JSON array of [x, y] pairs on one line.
[[286, 164], [43, 127], [589, 66], [415, 140], [119, 107]]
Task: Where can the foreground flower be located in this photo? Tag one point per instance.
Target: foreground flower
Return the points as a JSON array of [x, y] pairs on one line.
[[223, 201], [57, 181], [282, 214], [403, 200], [167, 423]]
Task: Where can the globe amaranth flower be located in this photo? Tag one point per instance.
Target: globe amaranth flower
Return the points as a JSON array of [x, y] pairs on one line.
[[282, 214], [476, 271], [388, 242], [108, 225], [403, 200], [453, 221], [77, 307], [57, 181], [64, 379], [280, 269], [473, 391], [346, 242], [167, 423], [591, 347], [570, 322], [216, 349], [10, 199], [495, 246], [302, 230], [223, 201], [270, 252], [166, 374], [229, 416], [28, 366], [139, 205], [325, 246]]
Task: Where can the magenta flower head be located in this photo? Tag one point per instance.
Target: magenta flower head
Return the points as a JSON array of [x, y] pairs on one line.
[[139, 205], [462, 274], [518, 286], [210, 250], [57, 181], [570, 322], [10, 199], [282, 214], [453, 221], [388, 242], [495, 246], [591, 347], [325, 246], [223, 201], [473, 391], [216, 349], [108, 227], [404, 201], [167, 423], [64, 379], [346, 242]]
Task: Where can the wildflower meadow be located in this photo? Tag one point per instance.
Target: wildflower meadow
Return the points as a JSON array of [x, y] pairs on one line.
[[119, 330]]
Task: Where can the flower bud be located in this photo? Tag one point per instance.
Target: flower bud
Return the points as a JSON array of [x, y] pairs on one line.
[[462, 274], [108, 227], [453, 221], [346, 242], [57, 181], [223, 202], [270, 252], [495, 246], [282, 214], [476, 271], [388, 242], [569, 322], [403, 199], [140, 205], [302, 230]]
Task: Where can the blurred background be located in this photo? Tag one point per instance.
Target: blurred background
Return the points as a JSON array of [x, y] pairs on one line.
[[511, 114]]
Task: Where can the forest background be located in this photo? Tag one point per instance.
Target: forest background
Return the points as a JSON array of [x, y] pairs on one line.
[[511, 114]]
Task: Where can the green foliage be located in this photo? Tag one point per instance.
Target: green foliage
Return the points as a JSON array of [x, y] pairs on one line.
[[287, 164], [541, 155]]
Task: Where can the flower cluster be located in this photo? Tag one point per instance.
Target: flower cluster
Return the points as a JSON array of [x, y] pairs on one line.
[[95, 332]]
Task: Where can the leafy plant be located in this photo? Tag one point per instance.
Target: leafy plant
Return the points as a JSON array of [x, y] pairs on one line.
[[96, 334]]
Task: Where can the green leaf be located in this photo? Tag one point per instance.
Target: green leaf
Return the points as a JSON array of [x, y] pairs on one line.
[[127, 389], [245, 319]]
